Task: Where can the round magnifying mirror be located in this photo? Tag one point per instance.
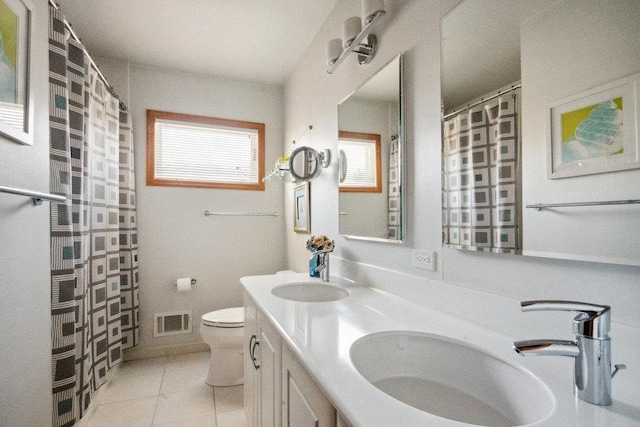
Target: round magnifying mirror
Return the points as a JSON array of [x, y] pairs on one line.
[[305, 163]]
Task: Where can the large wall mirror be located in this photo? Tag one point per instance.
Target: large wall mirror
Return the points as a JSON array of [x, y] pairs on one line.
[[559, 52], [370, 146], [482, 138]]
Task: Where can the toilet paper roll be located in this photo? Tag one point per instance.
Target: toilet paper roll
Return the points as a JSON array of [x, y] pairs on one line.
[[334, 50], [369, 9], [184, 284], [350, 30]]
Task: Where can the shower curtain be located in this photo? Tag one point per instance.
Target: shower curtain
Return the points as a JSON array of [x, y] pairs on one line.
[[481, 177], [394, 190], [94, 276]]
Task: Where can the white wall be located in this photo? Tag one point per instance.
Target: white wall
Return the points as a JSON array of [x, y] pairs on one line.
[[311, 97], [175, 238], [25, 305], [599, 44]]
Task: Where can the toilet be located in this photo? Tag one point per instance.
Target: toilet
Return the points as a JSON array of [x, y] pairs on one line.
[[223, 331]]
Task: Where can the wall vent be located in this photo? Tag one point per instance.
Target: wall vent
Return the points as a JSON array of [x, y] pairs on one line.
[[171, 323]]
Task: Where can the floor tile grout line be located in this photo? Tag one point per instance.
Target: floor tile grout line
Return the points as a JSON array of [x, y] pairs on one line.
[[153, 418], [215, 405], [155, 409]]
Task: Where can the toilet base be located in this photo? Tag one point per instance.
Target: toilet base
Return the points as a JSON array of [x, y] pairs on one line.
[[226, 367]]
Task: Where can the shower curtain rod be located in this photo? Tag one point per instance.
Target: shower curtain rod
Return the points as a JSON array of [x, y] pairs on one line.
[[481, 101], [95, 66]]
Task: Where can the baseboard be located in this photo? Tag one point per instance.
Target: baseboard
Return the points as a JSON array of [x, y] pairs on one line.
[[171, 350]]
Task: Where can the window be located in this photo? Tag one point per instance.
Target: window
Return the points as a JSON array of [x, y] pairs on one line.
[[361, 172], [195, 151]]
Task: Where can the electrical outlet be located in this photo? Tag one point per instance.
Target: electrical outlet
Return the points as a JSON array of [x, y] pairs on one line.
[[425, 260]]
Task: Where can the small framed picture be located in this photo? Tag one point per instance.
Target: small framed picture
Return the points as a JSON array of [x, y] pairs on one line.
[[301, 212], [595, 131], [16, 100]]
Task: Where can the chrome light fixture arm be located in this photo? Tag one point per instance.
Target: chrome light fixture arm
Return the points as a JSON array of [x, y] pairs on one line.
[[364, 45]]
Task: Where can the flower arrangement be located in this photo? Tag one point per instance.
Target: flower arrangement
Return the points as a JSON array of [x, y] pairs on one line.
[[320, 243]]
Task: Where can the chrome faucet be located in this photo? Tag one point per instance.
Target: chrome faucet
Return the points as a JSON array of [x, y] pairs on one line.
[[323, 263], [591, 347]]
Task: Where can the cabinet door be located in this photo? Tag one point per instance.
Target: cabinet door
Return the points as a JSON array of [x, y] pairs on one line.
[[270, 368], [304, 403], [250, 372]]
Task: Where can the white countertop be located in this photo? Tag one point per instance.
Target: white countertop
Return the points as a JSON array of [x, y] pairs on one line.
[[320, 334]]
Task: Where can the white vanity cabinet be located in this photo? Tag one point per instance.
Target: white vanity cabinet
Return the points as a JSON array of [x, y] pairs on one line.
[[250, 373], [303, 403], [278, 391], [269, 359], [262, 368]]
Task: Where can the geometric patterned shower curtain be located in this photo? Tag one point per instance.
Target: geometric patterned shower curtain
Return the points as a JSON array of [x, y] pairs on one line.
[[394, 232], [481, 176], [128, 240], [94, 281]]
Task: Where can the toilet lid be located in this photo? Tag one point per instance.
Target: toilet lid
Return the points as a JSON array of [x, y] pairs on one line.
[[225, 318]]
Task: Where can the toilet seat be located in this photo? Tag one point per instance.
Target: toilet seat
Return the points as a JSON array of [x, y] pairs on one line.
[[225, 318]]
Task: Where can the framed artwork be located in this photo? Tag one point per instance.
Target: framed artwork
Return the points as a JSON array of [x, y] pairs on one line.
[[595, 131], [16, 101], [301, 213]]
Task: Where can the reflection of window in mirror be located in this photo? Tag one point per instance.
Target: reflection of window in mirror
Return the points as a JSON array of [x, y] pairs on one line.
[[360, 164]]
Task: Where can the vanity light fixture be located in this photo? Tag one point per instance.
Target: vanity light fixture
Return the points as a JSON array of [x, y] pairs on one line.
[[356, 36]]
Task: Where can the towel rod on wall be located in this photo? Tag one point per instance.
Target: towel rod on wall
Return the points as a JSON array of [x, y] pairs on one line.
[[37, 196], [539, 206], [209, 213]]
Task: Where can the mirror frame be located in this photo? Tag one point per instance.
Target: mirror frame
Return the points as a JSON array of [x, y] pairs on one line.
[[401, 153], [312, 163]]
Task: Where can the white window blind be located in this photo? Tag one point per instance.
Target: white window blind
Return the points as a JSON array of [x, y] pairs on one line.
[[361, 163], [205, 153]]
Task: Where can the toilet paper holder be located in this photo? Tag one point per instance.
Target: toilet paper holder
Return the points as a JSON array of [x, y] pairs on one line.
[[193, 282]]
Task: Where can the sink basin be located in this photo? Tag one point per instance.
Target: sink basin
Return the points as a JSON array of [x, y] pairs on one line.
[[450, 379], [310, 292]]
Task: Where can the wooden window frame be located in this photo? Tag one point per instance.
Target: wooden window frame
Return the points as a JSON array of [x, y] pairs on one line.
[[152, 115], [375, 138]]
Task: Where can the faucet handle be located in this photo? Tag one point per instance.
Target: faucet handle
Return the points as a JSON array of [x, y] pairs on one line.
[[593, 321]]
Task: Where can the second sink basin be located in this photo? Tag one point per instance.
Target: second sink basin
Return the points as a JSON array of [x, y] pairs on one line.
[[450, 379], [310, 292]]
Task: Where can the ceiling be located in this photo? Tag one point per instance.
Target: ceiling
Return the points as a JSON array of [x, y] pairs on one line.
[[251, 40]]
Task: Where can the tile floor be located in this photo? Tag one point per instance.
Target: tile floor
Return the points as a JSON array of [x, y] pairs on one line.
[[168, 391]]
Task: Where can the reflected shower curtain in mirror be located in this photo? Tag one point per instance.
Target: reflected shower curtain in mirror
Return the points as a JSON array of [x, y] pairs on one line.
[[394, 190], [481, 197], [94, 283]]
